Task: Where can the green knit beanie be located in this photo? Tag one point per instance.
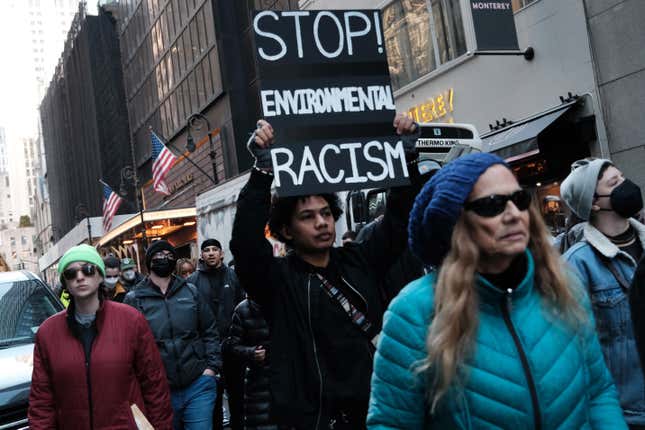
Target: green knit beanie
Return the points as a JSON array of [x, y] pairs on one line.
[[84, 253]]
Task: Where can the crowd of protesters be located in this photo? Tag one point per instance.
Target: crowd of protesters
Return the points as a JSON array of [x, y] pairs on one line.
[[455, 309]]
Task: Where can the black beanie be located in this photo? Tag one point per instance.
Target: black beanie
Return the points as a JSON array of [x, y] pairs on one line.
[[211, 242], [160, 245]]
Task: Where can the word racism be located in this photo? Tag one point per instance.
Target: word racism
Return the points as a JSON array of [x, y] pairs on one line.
[[317, 40], [325, 88], [343, 165], [326, 100]]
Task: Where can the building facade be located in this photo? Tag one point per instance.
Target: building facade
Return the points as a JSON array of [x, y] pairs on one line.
[[16, 247], [84, 122], [575, 98], [182, 57], [185, 57]]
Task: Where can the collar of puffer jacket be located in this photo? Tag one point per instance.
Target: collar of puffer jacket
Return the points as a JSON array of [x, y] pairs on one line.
[[492, 295]]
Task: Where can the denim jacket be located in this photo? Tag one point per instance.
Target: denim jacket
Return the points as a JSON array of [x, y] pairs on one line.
[[611, 310]]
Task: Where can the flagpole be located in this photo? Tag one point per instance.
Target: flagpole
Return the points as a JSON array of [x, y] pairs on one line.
[[188, 158]]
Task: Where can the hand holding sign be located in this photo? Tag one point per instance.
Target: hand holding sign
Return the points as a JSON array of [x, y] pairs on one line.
[[258, 145]]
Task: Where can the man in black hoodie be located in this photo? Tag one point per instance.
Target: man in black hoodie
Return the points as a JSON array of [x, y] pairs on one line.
[[324, 305], [219, 286]]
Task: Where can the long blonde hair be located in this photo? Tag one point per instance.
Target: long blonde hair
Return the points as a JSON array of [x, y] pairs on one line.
[[455, 321]]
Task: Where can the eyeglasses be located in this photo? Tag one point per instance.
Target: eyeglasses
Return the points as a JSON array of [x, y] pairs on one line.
[[495, 204], [87, 269]]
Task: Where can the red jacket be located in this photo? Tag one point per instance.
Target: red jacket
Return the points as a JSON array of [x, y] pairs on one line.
[[124, 368]]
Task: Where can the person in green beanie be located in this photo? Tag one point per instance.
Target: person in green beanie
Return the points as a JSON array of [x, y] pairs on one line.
[[96, 359]]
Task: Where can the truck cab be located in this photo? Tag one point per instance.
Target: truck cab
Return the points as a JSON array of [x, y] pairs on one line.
[[438, 144]]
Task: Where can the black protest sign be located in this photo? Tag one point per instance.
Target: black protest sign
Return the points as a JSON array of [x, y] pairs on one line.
[[325, 89], [494, 25]]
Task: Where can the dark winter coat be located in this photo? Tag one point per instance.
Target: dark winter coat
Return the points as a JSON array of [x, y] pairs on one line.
[[221, 290], [124, 368], [183, 326], [320, 361], [248, 331]]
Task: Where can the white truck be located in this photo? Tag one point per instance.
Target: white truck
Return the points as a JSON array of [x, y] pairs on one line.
[[438, 144]]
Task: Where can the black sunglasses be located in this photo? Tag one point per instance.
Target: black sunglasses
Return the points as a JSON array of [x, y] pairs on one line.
[[495, 204], [87, 269]]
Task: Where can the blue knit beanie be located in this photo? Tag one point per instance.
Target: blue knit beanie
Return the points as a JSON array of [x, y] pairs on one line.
[[439, 205]]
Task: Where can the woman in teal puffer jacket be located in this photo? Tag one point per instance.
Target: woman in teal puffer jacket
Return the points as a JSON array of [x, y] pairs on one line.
[[497, 336]]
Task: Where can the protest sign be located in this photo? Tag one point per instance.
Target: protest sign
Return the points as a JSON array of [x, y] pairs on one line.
[[325, 89]]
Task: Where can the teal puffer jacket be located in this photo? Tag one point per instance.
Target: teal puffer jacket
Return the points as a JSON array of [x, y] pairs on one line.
[[528, 369]]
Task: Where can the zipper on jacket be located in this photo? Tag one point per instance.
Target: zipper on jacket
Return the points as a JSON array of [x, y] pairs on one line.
[[89, 391], [172, 336], [313, 340], [356, 291], [506, 313]]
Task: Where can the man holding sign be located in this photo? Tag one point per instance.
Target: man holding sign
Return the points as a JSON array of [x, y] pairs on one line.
[[324, 305]]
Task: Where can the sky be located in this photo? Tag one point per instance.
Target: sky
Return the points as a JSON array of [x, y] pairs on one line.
[[21, 32]]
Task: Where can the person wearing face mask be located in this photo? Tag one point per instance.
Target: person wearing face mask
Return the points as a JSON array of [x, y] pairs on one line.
[[185, 330], [605, 261], [129, 275], [114, 289]]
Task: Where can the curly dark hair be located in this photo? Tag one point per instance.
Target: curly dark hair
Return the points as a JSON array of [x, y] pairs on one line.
[[282, 209]]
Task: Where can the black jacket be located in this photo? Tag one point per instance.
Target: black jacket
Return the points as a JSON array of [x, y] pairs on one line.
[[248, 331], [320, 361], [183, 326], [221, 290]]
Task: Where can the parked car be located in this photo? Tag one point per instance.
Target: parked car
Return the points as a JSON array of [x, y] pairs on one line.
[[25, 302]]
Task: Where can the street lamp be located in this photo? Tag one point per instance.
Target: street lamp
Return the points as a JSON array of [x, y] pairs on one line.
[[82, 212], [129, 174], [193, 121]]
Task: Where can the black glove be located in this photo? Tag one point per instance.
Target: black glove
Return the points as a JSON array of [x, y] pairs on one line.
[[262, 156], [410, 142]]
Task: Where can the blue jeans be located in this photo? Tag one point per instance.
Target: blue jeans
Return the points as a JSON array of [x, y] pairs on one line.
[[192, 406]]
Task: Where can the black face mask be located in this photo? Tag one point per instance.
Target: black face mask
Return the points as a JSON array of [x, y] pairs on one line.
[[162, 267], [626, 199]]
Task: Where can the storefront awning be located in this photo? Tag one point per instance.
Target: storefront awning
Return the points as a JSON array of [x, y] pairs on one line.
[[135, 221], [520, 139]]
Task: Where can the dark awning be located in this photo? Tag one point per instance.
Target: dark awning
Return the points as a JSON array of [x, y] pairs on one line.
[[520, 139]]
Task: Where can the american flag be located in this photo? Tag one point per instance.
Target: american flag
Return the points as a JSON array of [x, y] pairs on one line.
[[162, 161], [111, 203]]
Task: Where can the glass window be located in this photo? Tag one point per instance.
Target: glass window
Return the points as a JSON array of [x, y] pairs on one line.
[[180, 9], [179, 96], [186, 94], [411, 40], [163, 29], [201, 33], [194, 93], [173, 111], [188, 49], [209, 22], [170, 14], [175, 62], [201, 92], [164, 120], [208, 83], [169, 72], [215, 72], [180, 55], [519, 4]]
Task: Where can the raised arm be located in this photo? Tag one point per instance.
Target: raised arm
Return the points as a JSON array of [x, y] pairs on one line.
[[389, 237], [252, 252]]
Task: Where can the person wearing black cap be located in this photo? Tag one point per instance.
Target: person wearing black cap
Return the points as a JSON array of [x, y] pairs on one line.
[[220, 288], [186, 333]]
